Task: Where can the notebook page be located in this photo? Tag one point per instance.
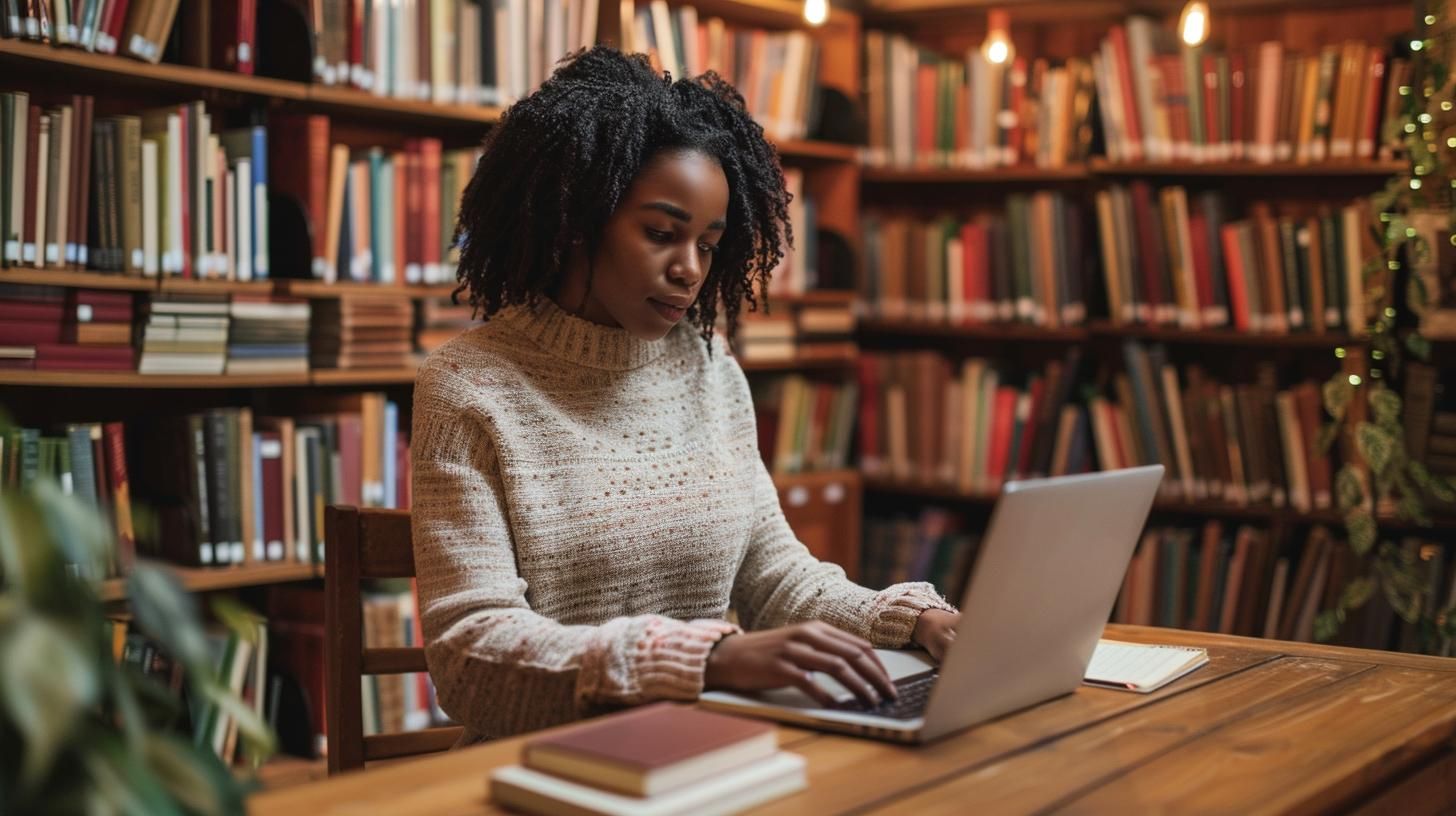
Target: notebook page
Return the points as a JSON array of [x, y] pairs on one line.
[[1134, 665]]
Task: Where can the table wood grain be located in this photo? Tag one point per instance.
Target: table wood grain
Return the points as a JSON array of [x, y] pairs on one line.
[[1266, 727]]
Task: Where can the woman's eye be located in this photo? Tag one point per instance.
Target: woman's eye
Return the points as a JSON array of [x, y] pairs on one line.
[[708, 248], [659, 236]]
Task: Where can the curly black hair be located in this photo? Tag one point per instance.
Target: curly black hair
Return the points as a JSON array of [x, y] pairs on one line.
[[561, 160]]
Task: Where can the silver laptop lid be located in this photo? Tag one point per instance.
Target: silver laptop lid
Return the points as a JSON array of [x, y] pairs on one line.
[[1040, 591]]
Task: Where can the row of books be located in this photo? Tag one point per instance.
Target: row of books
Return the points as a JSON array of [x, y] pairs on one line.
[[1170, 261], [375, 215], [935, 545], [927, 110], [777, 72], [1025, 265], [1161, 100], [804, 425], [394, 703], [159, 193], [53, 329], [924, 420], [136, 28], [224, 486], [798, 271], [1241, 581]]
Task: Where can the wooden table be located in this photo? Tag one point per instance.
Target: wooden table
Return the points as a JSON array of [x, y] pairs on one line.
[[1265, 727]]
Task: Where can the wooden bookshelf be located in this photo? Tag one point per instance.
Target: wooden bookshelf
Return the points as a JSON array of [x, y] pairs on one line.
[[355, 102], [76, 278], [132, 379], [213, 286], [800, 364], [803, 149], [207, 579], [925, 330], [1224, 337], [363, 376]]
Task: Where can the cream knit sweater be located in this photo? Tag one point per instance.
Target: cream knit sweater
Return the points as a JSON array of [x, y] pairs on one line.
[[587, 508]]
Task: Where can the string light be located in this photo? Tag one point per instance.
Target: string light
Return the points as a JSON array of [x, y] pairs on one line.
[[816, 11], [1415, 184], [1193, 23], [1415, 45], [998, 48], [1354, 379]]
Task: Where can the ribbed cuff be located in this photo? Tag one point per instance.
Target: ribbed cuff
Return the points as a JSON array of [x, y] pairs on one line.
[[896, 609], [665, 663]]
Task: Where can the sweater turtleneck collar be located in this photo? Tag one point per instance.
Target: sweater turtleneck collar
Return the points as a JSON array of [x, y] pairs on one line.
[[575, 339]]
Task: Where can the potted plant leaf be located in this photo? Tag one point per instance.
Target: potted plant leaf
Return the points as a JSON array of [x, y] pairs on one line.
[[81, 732]]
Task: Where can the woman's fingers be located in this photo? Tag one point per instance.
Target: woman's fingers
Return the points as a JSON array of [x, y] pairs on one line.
[[855, 652], [804, 681], [807, 657]]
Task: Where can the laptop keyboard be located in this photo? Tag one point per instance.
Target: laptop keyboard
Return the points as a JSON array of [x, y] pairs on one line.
[[914, 694]]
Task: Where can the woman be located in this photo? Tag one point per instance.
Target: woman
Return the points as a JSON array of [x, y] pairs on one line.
[[589, 500]]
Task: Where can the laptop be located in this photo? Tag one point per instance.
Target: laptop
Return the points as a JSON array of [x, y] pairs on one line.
[[1040, 591]]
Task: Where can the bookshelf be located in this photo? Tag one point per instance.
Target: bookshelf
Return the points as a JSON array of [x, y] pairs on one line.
[[208, 580]]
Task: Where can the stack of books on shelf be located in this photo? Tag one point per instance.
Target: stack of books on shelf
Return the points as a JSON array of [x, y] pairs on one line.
[[88, 461], [928, 110], [1174, 262], [1163, 101], [437, 320], [777, 72], [163, 192], [465, 52], [375, 215], [656, 760], [358, 331], [819, 327], [267, 335], [185, 334], [804, 425], [1025, 265], [923, 421], [937, 546], [53, 329]]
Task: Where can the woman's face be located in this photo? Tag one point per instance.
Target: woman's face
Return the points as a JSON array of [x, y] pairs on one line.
[[656, 249]]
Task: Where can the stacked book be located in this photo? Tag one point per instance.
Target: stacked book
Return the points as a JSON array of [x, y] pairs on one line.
[[50, 329], [267, 335], [439, 320], [766, 338], [185, 334], [659, 759], [361, 332]]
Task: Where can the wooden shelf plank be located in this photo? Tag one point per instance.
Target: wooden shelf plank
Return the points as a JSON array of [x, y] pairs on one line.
[[928, 330], [322, 289], [798, 364], [355, 101], [122, 69], [825, 151], [132, 379], [77, 278], [365, 376], [1224, 337], [206, 579], [214, 286], [1247, 169], [924, 329], [958, 175]]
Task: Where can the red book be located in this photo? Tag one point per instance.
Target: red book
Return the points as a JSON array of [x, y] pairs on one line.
[[101, 297], [40, 312], [1202, 274], [1118, 36], [1150, 255], [76, 242], [1238, 79], [84, 313], [414, 195], [356, 40], [115, 439], [433, 242], [1234, 263], [115, 21], [652, 749], [351, 439], [105, 356], [30, 332], [1003, 423], [925, 113], [1028, 435], [298, 166], [976, 283], [869, 414]]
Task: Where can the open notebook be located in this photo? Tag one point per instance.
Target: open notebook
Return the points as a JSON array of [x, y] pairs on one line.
[[1139, 667]]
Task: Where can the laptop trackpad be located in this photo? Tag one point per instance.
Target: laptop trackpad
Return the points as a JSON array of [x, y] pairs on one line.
[[899, 663]]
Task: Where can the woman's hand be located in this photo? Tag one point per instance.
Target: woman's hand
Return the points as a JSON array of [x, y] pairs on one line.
[[775, 658], [934, 631]]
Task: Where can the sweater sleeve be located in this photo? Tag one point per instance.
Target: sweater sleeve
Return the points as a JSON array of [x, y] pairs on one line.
[[500, 668], [780, 582]]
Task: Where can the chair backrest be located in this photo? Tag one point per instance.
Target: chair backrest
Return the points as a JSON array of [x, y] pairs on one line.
[[361, 544]]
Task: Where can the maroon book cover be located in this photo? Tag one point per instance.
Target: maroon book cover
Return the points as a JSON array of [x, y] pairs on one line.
[[647, 738], [270, 453], [101, 297], [31, 310], [30, 332], [62, 355]]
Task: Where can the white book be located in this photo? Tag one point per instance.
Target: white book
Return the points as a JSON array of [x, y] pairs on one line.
[[242, 241], [662, 32], [150, 259], [302, 498], [1138, 667], [173, 245], [58, 249], [35, 248], [730, 792]]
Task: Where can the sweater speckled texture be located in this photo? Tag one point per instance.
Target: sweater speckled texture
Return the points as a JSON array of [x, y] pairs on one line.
[[587, 508]]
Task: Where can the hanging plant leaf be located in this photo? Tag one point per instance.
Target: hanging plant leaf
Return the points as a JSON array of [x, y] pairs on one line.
[[1416, 294], [1327, 625], [1337, 393], [1376, 445], [1385, 407], [1358, 592], [1329, 432], [1349, 488], [49, 684], [1360, 527], [1418, 346]]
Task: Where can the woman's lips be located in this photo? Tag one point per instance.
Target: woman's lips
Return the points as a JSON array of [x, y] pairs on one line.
[[670, 313]]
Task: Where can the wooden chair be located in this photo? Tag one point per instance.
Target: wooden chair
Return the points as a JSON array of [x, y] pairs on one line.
[[365, 544]]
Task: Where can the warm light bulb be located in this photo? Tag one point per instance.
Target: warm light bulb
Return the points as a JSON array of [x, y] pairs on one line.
[[998, 48], [1193, 23], [816, 11]]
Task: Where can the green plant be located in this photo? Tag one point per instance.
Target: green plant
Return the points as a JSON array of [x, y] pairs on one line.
[[80, 733], [1414, 210]]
